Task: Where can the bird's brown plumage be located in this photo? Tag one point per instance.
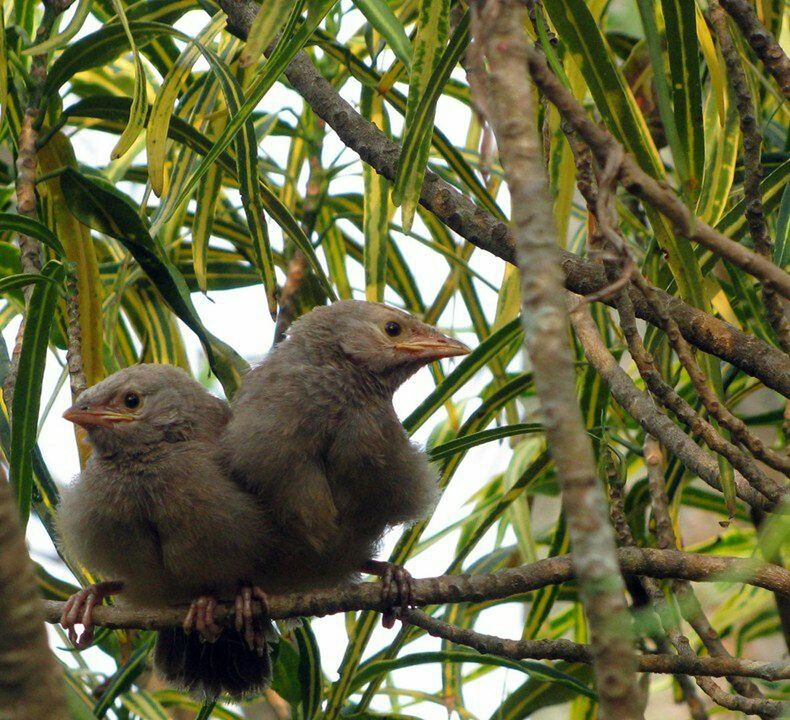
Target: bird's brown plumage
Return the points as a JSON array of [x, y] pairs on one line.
[[155, 509], [314, 435]]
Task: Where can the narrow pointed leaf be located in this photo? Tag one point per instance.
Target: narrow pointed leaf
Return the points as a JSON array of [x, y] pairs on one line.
[[432, 28], [27, 389]]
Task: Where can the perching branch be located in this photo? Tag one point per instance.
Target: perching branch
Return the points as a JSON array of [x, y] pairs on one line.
[[458, 212], [510, 582]]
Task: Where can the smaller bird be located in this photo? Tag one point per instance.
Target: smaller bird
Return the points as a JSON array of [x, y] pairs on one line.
[[315, 437], [156, 513]]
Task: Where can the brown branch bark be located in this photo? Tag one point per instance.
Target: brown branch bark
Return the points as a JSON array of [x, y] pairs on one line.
[[30, 681], [637, 182], [640, 406], [498, 25], [752, 165], [26, 165], [750, 699], [577, 652], [465, 588], [714, 336], [761, 41]]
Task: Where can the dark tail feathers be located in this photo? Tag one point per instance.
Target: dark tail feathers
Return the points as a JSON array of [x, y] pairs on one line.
[[210, 669]]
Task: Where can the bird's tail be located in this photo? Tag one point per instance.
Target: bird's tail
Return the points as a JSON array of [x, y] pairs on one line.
[[207, 669]]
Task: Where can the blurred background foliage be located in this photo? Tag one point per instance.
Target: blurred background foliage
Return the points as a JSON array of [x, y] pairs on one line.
[[187, 197]]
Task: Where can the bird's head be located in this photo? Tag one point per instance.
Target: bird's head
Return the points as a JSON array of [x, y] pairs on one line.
[[143, 405], [386, 342]]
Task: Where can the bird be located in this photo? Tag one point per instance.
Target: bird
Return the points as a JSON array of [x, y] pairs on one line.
[[156, 513], [315, 436]]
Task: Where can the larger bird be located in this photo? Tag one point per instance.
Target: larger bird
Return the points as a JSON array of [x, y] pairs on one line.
[[155, 512], [315, 436]]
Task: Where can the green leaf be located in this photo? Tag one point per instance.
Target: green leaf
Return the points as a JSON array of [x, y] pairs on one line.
[[447, 449], [144, 705], [280, 58], [61, 38], [535, 694], [269, 21], [533, 668], [122, 679], [311, 678], [433, 25], [3, 72], [206, 197], [139, 109], [782, 244], [95, 50], [27, 389], [109, 211], [381, 17], [683, 49], [33, 228], [162, 109], [377, 208], [13, 282]]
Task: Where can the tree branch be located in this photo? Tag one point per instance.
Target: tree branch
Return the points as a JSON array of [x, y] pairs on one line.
[[30, 683], [637, 182], [577, 652], [498, 28], [640, 406], [752, 164], [761, 41], [464, 588], [459, 213]]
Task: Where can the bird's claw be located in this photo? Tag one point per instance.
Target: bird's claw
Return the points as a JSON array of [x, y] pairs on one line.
[[248, 624], [78, 610], [200, 617], [396, 588]]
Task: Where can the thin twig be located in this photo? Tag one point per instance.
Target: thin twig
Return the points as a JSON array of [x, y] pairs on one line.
[[641, 407], [577, 652], [674, 401], [649, 587], [761, 41], [750, 698], [752, 165], [637, 182], [770, 488]]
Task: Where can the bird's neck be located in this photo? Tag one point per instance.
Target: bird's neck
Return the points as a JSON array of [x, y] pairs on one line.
[[356, 378]]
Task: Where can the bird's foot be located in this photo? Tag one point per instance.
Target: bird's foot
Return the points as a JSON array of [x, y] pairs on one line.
[[253, 627], [396, 589], [200, 617], [78, 610]]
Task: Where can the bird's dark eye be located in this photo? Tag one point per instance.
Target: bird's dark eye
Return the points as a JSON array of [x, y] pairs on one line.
[[392, 329], [131, 400]]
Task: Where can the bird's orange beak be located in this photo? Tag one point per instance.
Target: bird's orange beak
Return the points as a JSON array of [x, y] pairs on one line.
[[101, 416], [432, 347]]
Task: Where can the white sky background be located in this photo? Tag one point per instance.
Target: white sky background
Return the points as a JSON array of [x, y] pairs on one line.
[[239, 317]]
